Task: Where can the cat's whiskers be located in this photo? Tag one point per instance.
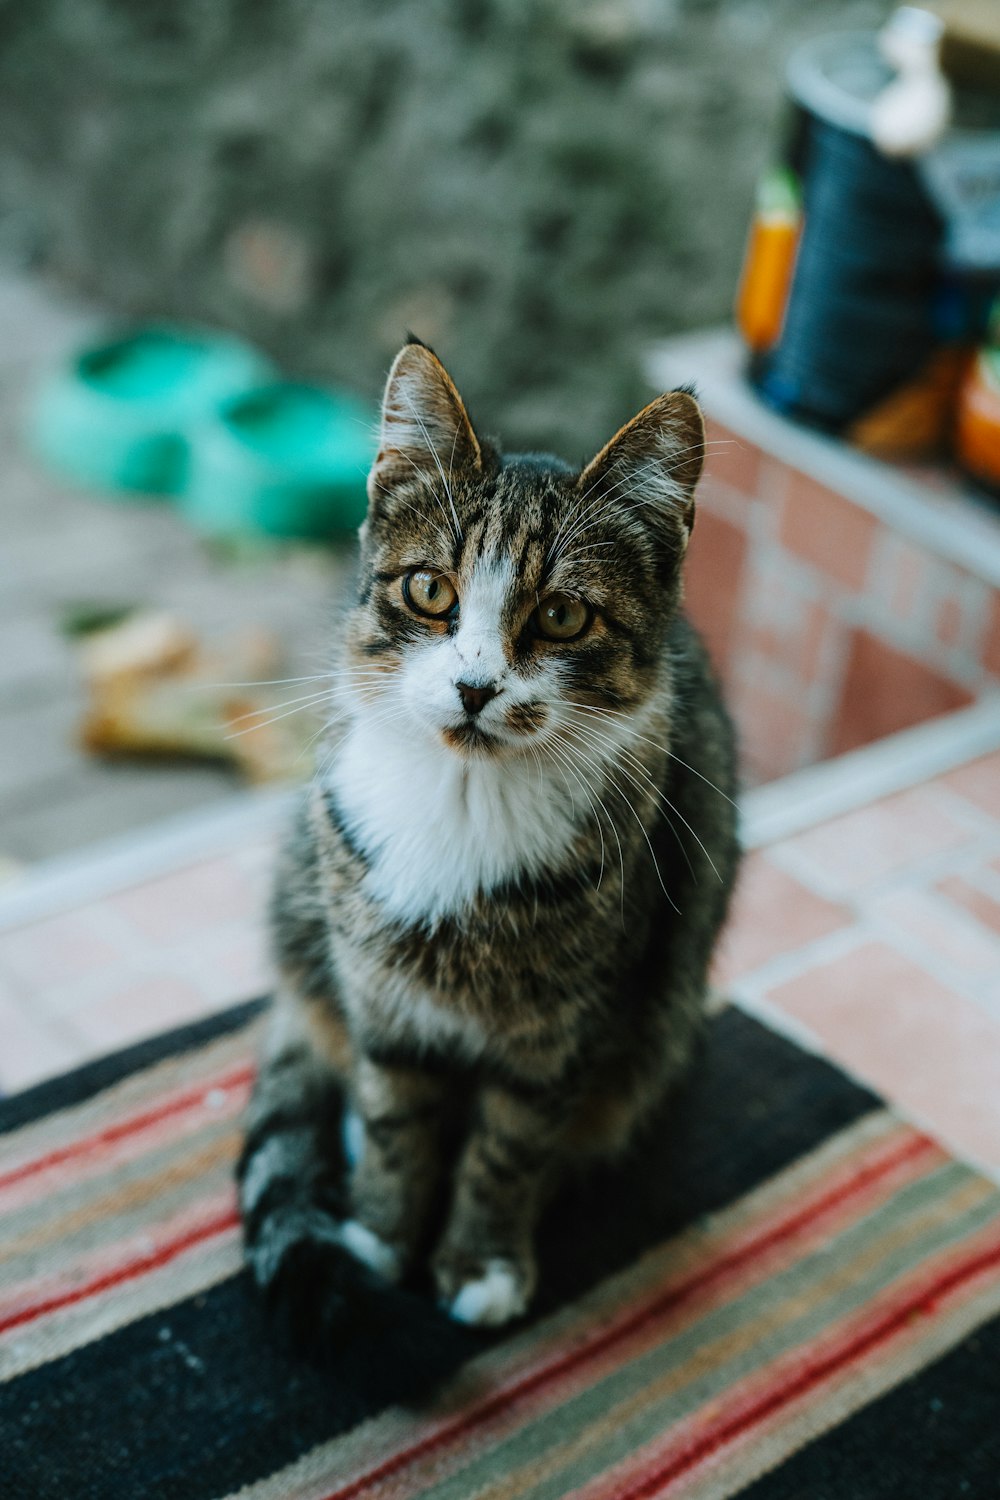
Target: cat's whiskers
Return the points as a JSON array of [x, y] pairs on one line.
[[364, 694], [535, 754], [647, 786], [635, 473], [591, 795], [266, 717], [557, 550], [627, 727], [563, 769], [621, 509], [659, 793], [389, 714], [268, 708], [573, 558], [265, 682], [641, 825], [561, 539], [574, 520]]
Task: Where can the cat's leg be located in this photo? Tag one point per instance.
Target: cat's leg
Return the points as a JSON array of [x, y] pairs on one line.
[[484, 1266], [395, 1142]]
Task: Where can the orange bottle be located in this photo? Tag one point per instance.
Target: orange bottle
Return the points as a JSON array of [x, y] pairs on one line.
[[977, 420], [769, 261]]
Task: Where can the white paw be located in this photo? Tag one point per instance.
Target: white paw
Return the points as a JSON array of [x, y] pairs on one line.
[[352, 1135], [493, 1299], [370, 1250]]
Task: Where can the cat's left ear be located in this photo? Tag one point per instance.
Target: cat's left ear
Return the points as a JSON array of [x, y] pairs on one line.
[[653, 464], [425, 428]]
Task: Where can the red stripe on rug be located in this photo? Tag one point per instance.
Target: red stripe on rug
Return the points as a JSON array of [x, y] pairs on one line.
[[153, 1260], [530, 1384], [812, 1374], [111, 1134]]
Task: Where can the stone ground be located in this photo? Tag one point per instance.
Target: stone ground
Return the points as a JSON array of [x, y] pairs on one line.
[[61, 546]]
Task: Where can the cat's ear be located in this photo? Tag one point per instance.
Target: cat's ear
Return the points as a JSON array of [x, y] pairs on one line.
[[653, 464], [425, 428]]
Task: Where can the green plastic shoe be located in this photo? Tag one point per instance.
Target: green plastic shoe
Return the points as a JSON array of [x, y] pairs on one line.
[[285, 459], [118, 417]]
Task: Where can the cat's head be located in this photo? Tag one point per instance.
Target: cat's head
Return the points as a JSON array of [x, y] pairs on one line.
[[500, 597]]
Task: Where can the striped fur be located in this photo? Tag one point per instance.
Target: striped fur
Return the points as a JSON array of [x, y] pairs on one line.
[[493, 928]]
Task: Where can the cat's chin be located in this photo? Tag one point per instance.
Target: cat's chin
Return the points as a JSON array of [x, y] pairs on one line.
[[475, 743]]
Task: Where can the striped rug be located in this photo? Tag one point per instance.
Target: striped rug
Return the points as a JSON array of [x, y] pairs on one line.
[[789, 1292]]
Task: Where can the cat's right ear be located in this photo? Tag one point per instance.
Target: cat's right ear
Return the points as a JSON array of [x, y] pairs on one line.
[[425, 430]]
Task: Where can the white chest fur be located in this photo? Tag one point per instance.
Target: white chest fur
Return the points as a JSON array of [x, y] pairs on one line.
[[438, 829]]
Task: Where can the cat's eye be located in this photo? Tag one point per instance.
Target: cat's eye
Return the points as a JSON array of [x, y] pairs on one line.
[[429, 593], [561, 618]]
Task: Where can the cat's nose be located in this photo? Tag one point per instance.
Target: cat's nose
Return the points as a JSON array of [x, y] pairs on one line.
[[475, 696]]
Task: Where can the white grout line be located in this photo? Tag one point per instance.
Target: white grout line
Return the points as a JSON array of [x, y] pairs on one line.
[[818, 793], [55, 885]]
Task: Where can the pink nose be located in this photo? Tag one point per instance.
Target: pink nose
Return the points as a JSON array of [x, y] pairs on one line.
[[475, 696]]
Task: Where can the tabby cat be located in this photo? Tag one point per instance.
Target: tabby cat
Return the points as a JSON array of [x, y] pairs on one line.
[[495, 912]]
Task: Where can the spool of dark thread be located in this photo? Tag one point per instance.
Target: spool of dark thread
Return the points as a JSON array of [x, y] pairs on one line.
[[860, 317]]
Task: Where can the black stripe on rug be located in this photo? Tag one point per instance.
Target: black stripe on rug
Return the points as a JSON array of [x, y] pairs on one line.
[[195, 1401], [104, 1072]]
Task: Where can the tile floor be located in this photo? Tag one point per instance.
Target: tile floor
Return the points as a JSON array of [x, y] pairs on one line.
[[873, 938]]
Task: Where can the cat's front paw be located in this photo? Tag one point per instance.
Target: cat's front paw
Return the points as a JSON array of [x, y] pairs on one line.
[[484, 1293]]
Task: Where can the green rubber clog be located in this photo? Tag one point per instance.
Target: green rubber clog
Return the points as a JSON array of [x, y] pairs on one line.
[[285, 459], [119, 415]]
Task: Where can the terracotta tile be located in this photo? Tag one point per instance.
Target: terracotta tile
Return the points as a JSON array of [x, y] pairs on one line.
[[924, 1047], [937, 929], [979, 782], [67, 947], [774, 728], [991, 636], [811, 636], [772, 914], [884, 690], [139, 1008], [948, 621], [826, 530], [731, 459], [976, 902], [712, 581], [31, 1048], [853, 852], [189, 901]]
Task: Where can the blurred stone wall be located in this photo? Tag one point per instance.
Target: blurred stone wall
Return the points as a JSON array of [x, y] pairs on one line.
[[536, 187]]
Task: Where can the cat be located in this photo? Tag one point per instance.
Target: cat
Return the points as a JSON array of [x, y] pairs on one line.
[[494, 914]]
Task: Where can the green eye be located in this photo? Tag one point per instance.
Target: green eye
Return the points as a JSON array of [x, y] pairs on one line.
[[429, 593], [562, 618]]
